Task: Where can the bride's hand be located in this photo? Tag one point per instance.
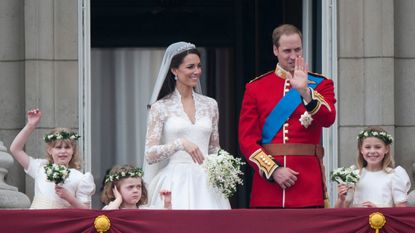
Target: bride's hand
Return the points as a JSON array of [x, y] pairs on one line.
[[193, 151]]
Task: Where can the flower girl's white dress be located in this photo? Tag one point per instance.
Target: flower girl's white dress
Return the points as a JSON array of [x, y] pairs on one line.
[[79, 184], [381, 188], [176, 170]]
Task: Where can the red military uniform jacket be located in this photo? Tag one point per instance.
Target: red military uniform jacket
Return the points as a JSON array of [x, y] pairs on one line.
[[261, 96]]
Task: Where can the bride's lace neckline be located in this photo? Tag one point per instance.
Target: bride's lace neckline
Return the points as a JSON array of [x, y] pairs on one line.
[[178, 97]]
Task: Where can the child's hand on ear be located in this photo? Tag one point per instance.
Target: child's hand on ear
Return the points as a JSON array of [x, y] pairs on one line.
[[117, 194]]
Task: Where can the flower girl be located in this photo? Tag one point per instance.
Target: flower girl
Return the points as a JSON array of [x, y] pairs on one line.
[[58, 182], [124, 189], [380, 184]]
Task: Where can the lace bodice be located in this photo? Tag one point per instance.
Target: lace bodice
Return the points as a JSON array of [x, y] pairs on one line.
[[168, 124]]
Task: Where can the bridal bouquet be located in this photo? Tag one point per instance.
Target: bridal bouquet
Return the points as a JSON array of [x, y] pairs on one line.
[[224, 171], [342, 175], [56, 173]]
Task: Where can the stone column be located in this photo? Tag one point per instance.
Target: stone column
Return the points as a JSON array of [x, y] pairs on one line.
[[12, 86], [405, 86], [366, 94], [9, 196]]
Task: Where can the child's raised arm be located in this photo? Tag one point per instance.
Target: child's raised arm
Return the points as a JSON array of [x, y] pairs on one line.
[[16, 148]]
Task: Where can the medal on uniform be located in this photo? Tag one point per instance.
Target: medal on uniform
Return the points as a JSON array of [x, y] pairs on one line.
[[306, 119]]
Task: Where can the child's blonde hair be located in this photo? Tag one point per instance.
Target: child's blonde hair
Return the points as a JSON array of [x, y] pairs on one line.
[[75, 161], [381, 134], [122, 172]]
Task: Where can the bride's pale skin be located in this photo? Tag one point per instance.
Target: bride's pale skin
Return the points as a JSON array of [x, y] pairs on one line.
[[188, 74]]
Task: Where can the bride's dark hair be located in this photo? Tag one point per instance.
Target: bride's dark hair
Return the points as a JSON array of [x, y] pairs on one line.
[[169, 83]]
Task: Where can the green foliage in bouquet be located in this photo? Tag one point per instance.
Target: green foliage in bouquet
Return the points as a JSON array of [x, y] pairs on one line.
[[56, 173], [348, 175], [224, 172]]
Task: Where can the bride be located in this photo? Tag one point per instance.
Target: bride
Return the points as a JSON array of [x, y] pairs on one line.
[[182, 130]]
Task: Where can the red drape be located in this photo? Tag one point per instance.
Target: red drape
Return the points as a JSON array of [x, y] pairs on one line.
[[356, 220]]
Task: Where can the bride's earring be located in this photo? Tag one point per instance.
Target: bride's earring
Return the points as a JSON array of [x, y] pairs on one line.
[[175, 78]]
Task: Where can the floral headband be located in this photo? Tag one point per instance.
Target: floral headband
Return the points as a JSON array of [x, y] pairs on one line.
[[62, 135], [385, 137], [136, 172]]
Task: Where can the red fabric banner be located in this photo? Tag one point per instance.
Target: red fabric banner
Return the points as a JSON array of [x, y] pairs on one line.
[[356, 220]]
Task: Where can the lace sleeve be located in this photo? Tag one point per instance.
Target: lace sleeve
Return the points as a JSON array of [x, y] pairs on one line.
[[154, 151], [214, 145], [34, 166]]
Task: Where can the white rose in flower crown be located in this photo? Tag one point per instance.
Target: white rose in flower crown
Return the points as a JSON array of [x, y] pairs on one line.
[[224, 171]]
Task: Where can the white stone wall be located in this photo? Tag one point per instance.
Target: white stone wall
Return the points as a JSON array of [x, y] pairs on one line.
[[405, 84], [12, 79], [376, 57], [39, 68]]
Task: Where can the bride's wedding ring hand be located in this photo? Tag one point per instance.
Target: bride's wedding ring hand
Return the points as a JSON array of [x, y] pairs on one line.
[[193, 150]]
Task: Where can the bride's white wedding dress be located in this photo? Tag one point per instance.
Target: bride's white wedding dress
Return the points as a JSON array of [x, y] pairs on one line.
[[186, 179]]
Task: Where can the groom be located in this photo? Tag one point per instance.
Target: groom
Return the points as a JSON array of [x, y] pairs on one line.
[[280, 126]]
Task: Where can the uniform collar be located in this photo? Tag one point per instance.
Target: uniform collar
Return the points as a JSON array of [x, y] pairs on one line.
[[280, 72]]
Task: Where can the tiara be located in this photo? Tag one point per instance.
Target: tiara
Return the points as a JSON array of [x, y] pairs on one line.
[[136, 172], [186, 46], [385, 137], [62, 135]]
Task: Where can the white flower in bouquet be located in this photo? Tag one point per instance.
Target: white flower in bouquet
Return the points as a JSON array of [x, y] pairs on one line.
[[348, 175], [56, 173], [224, 171]]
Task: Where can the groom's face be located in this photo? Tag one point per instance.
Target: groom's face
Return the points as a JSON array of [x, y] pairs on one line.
[[290, 47]]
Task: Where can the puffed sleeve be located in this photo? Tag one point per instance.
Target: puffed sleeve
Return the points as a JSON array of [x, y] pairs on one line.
[[34, 166], [400, 185], [86, 188]]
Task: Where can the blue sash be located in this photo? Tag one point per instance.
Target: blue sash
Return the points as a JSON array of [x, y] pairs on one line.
[[283, 110]]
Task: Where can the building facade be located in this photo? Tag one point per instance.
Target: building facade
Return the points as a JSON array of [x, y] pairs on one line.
[[44, 63]]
